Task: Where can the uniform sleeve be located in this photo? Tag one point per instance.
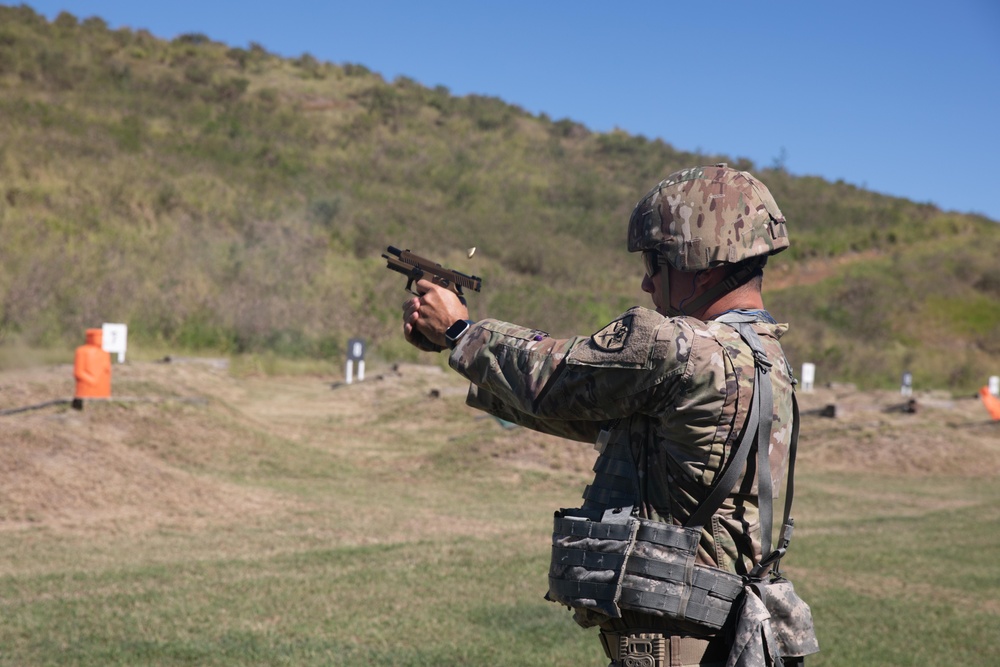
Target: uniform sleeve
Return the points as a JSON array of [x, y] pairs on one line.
[[573, 429], [630, 366]]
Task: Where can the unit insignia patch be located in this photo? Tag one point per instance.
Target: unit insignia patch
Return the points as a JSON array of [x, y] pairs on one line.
[[612, 337]]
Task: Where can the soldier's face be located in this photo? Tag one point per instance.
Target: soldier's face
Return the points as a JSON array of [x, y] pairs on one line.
[[658, 289], [669, 289]]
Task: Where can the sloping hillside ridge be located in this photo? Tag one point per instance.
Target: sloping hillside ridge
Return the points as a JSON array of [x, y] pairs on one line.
[[218, 197]]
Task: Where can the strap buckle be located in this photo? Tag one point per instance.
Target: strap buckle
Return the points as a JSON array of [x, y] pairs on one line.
[[766, 562], [760, 358], [644, 649]]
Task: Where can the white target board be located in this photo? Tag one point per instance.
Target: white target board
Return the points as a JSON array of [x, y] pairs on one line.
[[114, 339]]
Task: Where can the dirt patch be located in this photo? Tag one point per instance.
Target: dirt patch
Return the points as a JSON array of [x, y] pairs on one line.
[[812, 271], [72, 470], [884, 432], [113, 463], [175, 445]]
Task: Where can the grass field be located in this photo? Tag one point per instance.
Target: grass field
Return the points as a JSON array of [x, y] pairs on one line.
[[232, 518]]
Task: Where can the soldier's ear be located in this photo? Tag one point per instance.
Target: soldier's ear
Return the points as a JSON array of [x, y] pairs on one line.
[[707, 278]]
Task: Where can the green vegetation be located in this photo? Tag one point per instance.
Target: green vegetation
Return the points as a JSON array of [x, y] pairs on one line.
[[222, 198], [279, 523], [903, 598]]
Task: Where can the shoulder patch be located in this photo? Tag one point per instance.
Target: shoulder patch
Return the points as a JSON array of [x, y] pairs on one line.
[[612, 338], [625, 343]]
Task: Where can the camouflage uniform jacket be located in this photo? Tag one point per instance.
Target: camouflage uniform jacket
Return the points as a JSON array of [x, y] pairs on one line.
[[672, 394]]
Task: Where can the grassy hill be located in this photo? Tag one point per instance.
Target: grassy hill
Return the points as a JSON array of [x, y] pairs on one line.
[[224, 198]]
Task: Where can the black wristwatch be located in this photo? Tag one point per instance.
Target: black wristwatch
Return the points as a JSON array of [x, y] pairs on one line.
[[456, 331]]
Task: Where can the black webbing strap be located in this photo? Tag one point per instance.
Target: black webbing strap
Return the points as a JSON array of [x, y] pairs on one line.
[[592, 560], [787, 523], [764, 387], [790, 481], [736, 277], [666, 535], [566, 589], [615, 467], [713, 581], [757, 430], [711, 596], [611, 495], [724, 484], [594, 529]]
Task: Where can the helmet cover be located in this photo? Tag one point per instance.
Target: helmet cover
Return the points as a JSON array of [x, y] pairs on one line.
[[704, 217]]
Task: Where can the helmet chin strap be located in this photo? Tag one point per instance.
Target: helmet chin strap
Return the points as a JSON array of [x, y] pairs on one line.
[[665, 272], [736, 277]]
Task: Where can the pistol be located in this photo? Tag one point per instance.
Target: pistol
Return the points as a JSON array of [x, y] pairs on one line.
[[415, 267]]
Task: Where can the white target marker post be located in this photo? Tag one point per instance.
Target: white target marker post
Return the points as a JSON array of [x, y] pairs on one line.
[[808, 376], [114, 339], [355, 352], [906, 389]]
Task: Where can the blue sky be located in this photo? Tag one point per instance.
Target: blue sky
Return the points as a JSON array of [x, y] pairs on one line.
[[898, 97]]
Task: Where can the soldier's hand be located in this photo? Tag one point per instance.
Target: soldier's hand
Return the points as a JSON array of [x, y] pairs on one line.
[[430, 314], [410, 333]]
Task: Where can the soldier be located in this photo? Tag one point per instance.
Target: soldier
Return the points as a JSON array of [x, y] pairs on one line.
[[674, 398]]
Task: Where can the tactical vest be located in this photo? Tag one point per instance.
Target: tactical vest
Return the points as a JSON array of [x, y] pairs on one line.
[[605, 558]]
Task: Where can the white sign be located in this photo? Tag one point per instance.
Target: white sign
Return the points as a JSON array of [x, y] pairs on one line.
[[906, 389], [114, 339], [995, 385], [808, 376], [355, 349], [355, 352]]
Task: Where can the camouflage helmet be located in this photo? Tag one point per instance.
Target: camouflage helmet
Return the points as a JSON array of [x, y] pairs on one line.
[[704, 217]]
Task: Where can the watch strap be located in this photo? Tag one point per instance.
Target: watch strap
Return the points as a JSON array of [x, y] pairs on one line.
[[456, 331]]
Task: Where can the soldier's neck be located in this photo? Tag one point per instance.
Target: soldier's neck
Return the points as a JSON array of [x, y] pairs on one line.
[[732, 301]]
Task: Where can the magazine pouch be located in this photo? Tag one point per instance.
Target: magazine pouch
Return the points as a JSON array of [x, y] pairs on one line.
[[773, 624], [589, 548], [604, 562], [662, 579], [790, 618]]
